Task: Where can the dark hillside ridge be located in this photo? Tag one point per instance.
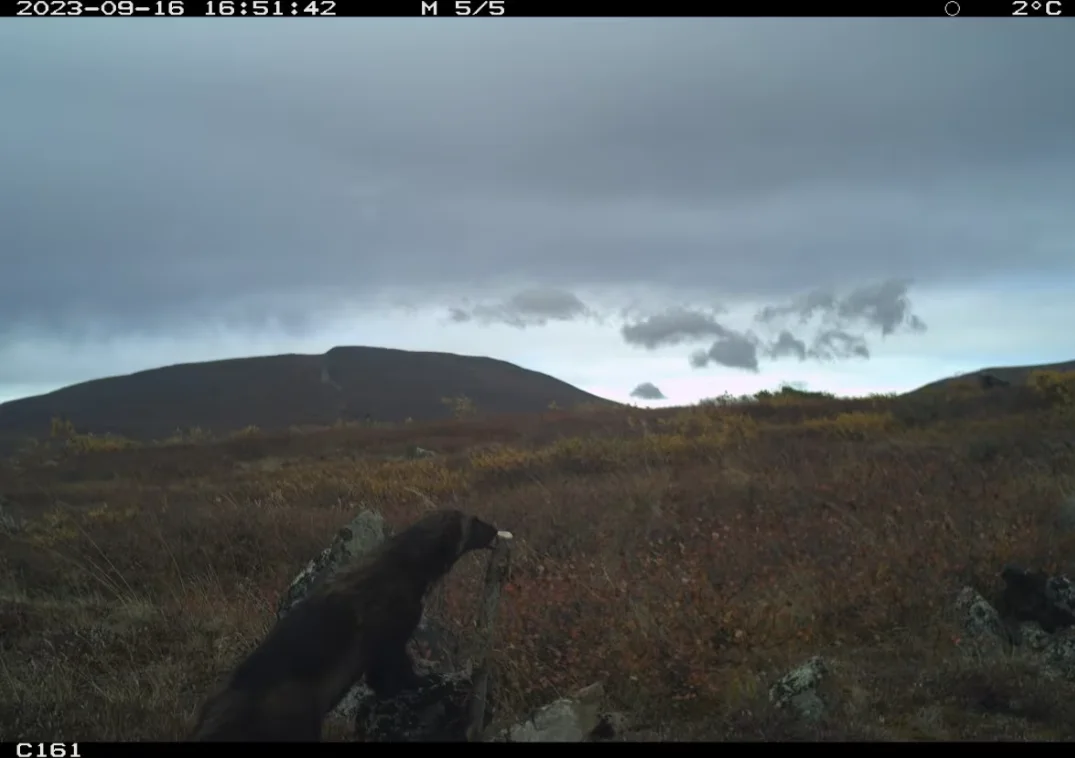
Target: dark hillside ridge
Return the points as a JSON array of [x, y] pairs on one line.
[[280, 391], [1006, 374]]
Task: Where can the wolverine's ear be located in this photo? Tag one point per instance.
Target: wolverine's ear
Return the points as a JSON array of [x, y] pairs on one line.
[[477, 535]]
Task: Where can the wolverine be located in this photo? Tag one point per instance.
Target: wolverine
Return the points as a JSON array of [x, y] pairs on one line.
[[353, 624]]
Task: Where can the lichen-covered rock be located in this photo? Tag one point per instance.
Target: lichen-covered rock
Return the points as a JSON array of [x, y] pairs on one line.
[[984, 630], [361, 535], [436, 712], [798, 689], [1030, 636], [1045, 606], [569, 719], [1034, 619], [1058, 657], [439, 712], [437, 648], [9, 523], [1060, 595], [610, 725]]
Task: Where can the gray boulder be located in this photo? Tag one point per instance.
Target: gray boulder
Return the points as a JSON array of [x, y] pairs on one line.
[[578, 718], [438, 711], [984, 632], [1033, 620], [797, 690]]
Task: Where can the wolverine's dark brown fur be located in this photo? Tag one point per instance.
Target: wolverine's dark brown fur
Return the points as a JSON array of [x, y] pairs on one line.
[[355, 623]]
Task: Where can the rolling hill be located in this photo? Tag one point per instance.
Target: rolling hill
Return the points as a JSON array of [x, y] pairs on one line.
[[1006, 374], [279, 391]]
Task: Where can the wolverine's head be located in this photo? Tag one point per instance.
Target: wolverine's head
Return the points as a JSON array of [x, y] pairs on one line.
[[436, 541], [475, 534]]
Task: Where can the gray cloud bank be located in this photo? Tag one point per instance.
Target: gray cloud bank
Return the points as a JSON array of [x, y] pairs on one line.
[[253, 175], [648, 391], [830, 327], [840, 328], [534, 307]]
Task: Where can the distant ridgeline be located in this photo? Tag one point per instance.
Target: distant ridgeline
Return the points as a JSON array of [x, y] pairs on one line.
[[283, 391]]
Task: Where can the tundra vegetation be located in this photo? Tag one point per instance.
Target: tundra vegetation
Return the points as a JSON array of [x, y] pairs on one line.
[[683, 556]]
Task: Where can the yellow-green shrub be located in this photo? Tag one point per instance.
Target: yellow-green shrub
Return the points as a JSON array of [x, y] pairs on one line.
[[395, 480], [713, 422], [187, 437], [461, 406], [505, 464], [246, 431], [854, 425], [60, 428], [91, 443], [582, 455], [1056, 386], [53, 528], [787, 395]]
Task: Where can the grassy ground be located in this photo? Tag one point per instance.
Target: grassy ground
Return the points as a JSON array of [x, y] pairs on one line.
[[686, 557]]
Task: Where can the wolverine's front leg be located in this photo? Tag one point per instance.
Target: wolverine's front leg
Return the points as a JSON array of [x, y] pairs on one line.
[[392, 671]]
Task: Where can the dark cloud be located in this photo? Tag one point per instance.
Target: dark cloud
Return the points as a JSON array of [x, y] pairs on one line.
[[787, 344], [835, 344], [734, 351], [826, 345], [535, 307], [198, 174], [648, 391], [679, 325], [672, 327], [884, 308], [458, 315], [806, 308]]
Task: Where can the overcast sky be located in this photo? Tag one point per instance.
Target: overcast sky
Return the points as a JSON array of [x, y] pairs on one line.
[[701, 205]]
